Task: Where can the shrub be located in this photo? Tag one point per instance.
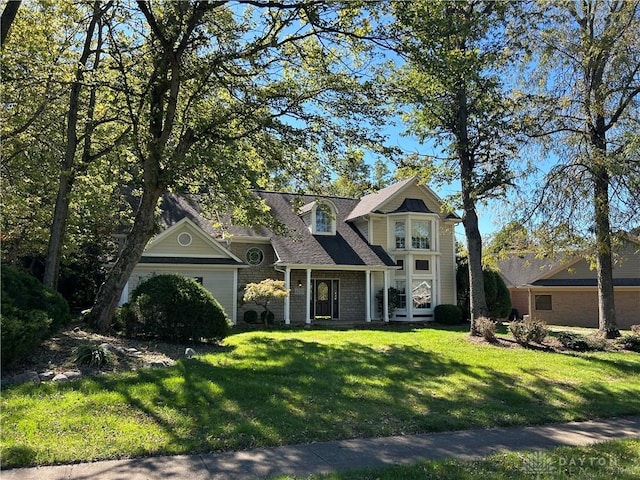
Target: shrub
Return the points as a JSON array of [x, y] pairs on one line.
[[630, 342], [172, 307], [250, 316], [393, 297], [26, 293], [495, 290], [22, 331], [94, 356], [30, 312], [528, 331], [635, 329], [447, 314], [581, 343], [486, 328]]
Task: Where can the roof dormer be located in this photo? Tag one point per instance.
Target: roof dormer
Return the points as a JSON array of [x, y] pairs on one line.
[[320, 217]]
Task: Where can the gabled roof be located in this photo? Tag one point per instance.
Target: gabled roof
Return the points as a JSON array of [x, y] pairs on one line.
[[346, 247], [370, 203], [525, 268]]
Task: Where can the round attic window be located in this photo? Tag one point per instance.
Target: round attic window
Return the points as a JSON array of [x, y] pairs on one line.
[[255, 256], [185, 239]]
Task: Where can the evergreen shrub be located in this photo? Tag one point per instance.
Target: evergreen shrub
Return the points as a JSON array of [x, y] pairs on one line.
[[447, 314], [581, 343], [30, 312], [172, 307]]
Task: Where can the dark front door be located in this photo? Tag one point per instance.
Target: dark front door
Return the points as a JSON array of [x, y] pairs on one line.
[[323, 298], [325, 301]]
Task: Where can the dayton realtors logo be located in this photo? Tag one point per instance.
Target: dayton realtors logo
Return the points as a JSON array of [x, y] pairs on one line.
[[542, 465]]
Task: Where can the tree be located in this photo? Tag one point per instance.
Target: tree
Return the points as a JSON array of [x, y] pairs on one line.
[[263, 293], [52, 136], [454, 53], [588, 54], [223, 97]]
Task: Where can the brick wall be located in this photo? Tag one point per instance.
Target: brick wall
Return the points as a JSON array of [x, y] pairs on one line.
[[580, 308]]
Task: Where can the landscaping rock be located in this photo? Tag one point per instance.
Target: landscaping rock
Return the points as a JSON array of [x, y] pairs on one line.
[[28, 376], [72, 374], [47, 376], [60, 377], [113, 348], [189, 353], [156, 364]]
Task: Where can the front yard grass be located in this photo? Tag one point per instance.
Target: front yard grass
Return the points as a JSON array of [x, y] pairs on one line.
[[273, 388]]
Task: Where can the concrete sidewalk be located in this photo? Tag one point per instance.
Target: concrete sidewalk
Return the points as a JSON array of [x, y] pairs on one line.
[[303, 460]]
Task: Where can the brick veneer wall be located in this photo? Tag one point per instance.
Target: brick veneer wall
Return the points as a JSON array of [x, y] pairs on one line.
[[580, 308]]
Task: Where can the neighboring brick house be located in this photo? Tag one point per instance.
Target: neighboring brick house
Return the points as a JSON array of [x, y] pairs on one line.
[[564, 291], [339, 254]]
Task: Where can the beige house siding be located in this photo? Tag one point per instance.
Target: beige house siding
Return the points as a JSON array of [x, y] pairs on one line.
[[580, 307], [168, 244], [447, 265], [520, 300], [218, 282], [379, 229]]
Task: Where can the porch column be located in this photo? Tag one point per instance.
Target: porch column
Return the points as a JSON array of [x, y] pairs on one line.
[[287, 299], [234, 319], [308, 297], [385, 297], [367, 296]]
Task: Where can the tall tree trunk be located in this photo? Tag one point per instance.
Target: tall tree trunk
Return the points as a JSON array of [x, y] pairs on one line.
[[8, 16], [110, 291], [478, 307], [67, 167], [606, 303]]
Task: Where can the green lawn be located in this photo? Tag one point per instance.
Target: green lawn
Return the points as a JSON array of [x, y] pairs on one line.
[[271, 388], [618, 460]]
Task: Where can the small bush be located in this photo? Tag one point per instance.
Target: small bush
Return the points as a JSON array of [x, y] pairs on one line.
[[30, 312], [250, 316], [176, 308], [486, 328], [630, 342], [635, 329], [267, 317], [447, 314], [22, 331], [25, 292], [528, 331], [582, 343], [94, 356]]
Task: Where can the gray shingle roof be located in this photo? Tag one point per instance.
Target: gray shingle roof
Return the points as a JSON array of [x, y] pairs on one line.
[[524, 268], [347, 248], [370, 203]]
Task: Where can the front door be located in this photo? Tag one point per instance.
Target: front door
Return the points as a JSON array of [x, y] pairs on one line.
[[325, 299]]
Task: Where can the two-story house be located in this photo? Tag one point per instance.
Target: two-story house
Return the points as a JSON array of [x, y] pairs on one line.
[[339, 254]]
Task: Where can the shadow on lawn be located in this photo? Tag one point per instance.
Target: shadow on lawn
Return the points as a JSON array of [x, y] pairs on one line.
[[288, 391], [295, 391]]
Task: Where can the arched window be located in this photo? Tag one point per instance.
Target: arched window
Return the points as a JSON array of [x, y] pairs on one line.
[[323, 219]]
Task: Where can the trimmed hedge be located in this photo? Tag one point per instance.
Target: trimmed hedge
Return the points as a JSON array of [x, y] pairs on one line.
[[172, 307], [447, 314], [30, 313]]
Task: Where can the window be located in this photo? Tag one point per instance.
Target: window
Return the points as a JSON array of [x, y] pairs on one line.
[[401, 287], [422, 265], [184, 239], [420, 234], [400, 263], [324, 222], [543, 302], [400, 234], [421, 293], [254, 256]]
